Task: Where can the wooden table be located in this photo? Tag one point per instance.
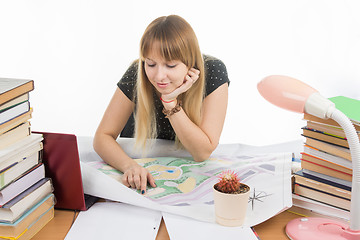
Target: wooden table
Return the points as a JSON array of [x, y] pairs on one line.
[[273, 228], [58, 227]]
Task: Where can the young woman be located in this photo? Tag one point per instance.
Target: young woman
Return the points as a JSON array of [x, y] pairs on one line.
[[172, 92]]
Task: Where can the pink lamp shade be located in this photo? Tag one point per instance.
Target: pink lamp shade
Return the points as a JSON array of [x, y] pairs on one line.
[[285, 92]]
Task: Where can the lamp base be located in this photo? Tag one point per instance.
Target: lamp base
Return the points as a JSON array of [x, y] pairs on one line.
[[319, 228]]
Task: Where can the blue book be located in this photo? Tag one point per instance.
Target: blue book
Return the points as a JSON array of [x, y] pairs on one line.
[[326, 179]]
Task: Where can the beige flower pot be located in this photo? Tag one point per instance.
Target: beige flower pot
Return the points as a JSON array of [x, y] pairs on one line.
[[230, 209]]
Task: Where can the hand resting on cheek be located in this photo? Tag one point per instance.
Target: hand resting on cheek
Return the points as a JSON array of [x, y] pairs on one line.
[[190, 78]]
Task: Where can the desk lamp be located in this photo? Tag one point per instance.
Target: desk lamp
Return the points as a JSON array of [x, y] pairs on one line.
[[294, 95]]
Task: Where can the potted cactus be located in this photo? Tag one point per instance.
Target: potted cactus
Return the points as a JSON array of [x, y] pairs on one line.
[[230, 199]]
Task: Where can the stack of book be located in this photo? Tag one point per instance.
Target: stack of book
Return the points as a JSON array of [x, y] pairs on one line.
[[26, 195], [324, 183]]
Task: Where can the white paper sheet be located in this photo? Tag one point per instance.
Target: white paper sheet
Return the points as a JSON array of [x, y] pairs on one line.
[[180, 228], [270, 179], [113, 220]]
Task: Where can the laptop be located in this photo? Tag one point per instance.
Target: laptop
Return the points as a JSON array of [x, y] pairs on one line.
[[62, 165]]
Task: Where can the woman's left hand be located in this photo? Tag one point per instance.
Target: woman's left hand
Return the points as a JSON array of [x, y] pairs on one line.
[[190, 79]]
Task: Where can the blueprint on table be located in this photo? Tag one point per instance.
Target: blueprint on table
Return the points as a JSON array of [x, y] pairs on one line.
[[184, 186]]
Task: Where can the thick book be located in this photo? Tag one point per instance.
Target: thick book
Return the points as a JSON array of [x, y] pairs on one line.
[[305, 164], [11, 88], [14, 111], [328, 129], [14, 149], [15, 101], [301, 179], [24, 224], [329, 121], [327, 179], [321, 208], [15, 134], [311, 133], [15, 208], [14, 172], [322, 197], [327, 156], [15, 121], [31, 177], [329, 148], [38, 225], [325, 163], [20, 155]]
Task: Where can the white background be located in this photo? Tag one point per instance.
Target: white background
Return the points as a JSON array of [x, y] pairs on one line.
[[76, 51]]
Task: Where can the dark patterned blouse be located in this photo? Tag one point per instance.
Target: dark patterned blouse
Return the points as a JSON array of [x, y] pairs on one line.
[[215, 76]]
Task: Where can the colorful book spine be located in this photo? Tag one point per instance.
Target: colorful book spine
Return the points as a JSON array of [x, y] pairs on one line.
[[326, 173], [26, 199]]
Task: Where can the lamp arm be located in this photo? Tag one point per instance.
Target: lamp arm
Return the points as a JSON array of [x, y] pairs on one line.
[[354, 146]]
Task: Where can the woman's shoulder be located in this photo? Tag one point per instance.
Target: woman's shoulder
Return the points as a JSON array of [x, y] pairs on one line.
[[214, 67], [128, 81], [131, 73], [215, 73], [211, 62]]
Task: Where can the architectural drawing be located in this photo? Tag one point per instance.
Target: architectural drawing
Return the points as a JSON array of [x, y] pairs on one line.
[[184, 187]]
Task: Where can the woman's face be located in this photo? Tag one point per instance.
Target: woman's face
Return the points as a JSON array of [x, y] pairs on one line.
[[164, 75]]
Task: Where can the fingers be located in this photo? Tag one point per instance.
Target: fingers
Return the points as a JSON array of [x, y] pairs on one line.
[[137, 177], [137, 181], [143, 182], [193, 74], [190, 78], [183, 88], [125, 181], [151, 180]]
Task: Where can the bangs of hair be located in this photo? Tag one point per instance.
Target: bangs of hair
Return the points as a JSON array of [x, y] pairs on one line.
[[172, 37]]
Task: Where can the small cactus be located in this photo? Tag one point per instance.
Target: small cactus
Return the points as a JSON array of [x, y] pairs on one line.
[[229, 182]]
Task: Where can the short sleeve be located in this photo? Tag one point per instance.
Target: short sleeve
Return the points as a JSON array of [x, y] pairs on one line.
[[215, 74], [128, 81]]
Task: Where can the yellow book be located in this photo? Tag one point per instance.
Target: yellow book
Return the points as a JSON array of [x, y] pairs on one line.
[[15, 122], [14, 135], [38, 225], [20, 229]]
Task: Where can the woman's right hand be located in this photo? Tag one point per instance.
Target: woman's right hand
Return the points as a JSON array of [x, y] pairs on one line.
[[190, 78], [137, 177]]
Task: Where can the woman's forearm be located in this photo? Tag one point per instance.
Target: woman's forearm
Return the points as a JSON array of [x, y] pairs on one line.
[[192, 137], [111, 152], [202, 140]]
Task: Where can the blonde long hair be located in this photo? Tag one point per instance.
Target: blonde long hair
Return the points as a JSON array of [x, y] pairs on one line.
[[177, 42]]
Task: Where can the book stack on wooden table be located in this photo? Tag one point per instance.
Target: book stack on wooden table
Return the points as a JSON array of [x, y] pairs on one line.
[[26, 195], [324, 183]]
